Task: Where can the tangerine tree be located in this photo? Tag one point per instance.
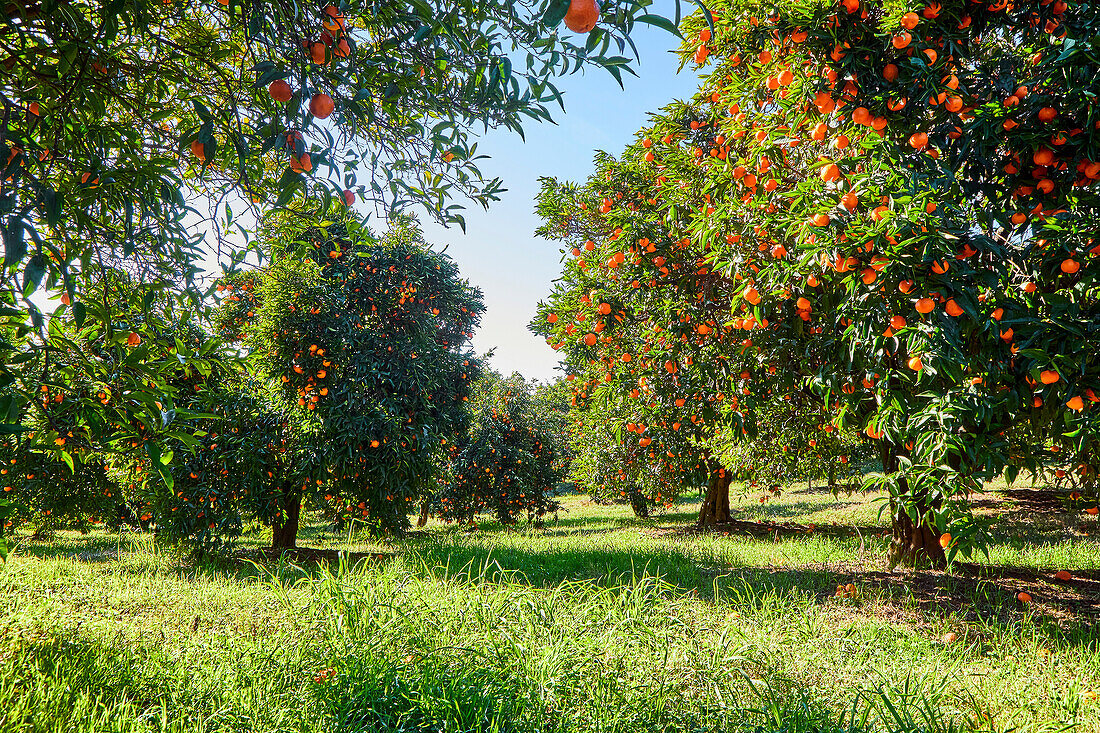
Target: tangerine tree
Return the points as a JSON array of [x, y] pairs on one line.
[[512, 457], [899, 205], [366, 340]]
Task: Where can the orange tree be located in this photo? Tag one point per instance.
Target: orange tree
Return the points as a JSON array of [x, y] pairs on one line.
[[365, 340], [896, 207], [143, 135], [163, 461], [511, 458], [796, 441], [612, 470]]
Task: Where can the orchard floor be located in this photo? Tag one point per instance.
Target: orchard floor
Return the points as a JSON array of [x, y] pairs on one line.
[[596, 621]]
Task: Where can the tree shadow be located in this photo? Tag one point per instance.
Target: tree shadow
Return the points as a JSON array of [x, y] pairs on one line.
[[980, 594]]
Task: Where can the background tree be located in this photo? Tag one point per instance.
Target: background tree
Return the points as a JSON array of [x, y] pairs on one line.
[[612, 470], [796, 441], [366, 340], [513, 456]]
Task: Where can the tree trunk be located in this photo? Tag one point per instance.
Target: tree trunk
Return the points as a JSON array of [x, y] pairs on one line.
[[715, 508], [639, 504], [913, 543], [284, 530], [423, 518]]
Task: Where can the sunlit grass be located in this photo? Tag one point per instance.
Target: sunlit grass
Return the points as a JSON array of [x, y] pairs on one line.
[[595, 621]]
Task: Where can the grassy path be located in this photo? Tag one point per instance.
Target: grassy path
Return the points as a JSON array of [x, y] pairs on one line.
[[594, 622]]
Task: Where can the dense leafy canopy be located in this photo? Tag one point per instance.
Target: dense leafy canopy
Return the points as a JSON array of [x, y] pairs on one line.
[[367, 339], [513, 456], [890, 209]]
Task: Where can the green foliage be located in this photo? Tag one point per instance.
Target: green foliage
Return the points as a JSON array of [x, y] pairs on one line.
[[512, 457], [613, 470], [140, 136], [761, 241], [366, 339], [794, 442]]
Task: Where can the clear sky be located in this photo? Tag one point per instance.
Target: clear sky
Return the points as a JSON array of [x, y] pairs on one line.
[[499, 251]]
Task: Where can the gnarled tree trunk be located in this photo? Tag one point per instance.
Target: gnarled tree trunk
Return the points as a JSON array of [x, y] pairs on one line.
[[913, 543], [423, 518], [715, 508], [284, 529]]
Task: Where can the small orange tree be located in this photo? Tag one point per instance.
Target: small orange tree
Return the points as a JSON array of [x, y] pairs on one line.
[[511, 458], [366, 340], [890, 209]]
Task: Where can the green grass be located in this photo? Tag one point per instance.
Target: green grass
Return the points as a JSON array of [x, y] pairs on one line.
[[594, 622]]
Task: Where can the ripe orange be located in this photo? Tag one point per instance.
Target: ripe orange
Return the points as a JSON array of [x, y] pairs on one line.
[[1024, 597], [752, 295], [945, 540], [1048, 376], [1063, 575], [301, 164], [321, 105], [916, 364], [909, 21], [950, 637], [1070, 266], [198, 150], [582, 16], [349, 196], [280, 91], [1043, 156], [1076, 403], [925, 305]]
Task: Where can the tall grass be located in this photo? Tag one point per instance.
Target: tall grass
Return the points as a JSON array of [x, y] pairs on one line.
[[580, 628]]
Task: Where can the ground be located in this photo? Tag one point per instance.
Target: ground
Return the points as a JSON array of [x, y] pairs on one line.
[[596, 621]]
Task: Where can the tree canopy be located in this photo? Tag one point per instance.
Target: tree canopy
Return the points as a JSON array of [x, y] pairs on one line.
[[891, 210]]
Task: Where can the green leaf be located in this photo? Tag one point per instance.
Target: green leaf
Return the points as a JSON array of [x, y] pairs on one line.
[[155, 457], [15, 246], [32, 278], [555, 13], [660, 21]]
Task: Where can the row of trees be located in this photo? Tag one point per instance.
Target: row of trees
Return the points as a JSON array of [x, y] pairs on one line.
[[140, 138], [881, 219], [356, 394]]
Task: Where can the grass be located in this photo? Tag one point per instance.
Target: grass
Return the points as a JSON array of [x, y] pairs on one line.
[[594, 622]]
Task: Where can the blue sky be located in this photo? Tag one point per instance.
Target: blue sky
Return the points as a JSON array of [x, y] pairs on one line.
[[499, 251]]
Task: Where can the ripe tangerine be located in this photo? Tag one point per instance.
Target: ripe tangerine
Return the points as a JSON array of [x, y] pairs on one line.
[[582, 16]]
